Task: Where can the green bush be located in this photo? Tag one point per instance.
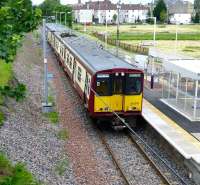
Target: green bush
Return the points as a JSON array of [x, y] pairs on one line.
[[14, 175], [18, 92]]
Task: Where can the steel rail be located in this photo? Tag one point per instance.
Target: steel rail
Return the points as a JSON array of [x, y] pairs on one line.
[[114, 158], [152, 163]]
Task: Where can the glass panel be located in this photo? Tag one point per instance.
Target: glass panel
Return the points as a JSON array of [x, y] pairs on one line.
[[117, 85], [133, 83], [103, 85]]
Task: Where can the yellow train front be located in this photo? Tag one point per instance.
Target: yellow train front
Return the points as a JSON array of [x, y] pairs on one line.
[[117, 90]]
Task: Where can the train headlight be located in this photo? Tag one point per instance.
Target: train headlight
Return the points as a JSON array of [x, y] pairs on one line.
[[123, 74], [116, 74]]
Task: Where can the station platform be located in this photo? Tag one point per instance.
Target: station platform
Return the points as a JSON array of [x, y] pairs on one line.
[[187, 145], [193, 128]]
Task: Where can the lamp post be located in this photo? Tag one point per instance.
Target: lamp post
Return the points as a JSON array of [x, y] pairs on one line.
[[66, 21], [61, 16], [46, 105], [176, 40], [118, 22], [106, 35], [56, 17], [154, 29]]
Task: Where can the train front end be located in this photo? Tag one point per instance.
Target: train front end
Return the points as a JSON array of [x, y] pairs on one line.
[[119, 91]]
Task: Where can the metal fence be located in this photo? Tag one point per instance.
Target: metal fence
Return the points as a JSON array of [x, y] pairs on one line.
[[129, 47]]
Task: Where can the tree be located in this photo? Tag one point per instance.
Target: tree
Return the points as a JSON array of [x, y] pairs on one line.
[[160, 11], [196, 18], [16, 17], [115, 18], [49, 6]]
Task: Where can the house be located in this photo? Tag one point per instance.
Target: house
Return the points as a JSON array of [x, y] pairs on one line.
[[106, 11], [180, 12]]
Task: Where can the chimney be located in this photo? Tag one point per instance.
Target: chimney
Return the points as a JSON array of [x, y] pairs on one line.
[[79, 1]]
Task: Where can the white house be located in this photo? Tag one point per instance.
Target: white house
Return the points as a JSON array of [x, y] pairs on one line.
[[102, 11], [180, 12], [85, 16], [180, 18]]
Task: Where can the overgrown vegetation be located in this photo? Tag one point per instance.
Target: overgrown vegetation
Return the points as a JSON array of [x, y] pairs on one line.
[[14, 174], [18, 92], [1, 119], [53, 117], [63, 134], [62, 166]]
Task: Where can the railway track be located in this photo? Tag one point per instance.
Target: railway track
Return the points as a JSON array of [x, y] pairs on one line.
[[130, 178], [165, 177]]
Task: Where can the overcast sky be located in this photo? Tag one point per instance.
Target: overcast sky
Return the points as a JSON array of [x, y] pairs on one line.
[[75, 1]]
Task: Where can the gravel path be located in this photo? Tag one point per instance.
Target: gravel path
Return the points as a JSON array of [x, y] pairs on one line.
[[26, 136]]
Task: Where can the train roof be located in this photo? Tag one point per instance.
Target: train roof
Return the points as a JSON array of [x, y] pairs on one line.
[[91, 53]]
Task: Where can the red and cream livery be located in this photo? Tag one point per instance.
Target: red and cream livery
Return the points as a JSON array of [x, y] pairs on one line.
[[105, 82]]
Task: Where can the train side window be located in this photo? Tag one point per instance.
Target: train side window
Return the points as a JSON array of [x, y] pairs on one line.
[[70, 62], [103, 85], [79, 74]]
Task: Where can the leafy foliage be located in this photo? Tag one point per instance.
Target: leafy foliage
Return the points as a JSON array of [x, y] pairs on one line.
[[160, 11], [14, 175], [16, 17], [18, 92], [50, 7]]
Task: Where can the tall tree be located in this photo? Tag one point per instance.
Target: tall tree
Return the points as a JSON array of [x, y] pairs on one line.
[[197, 11], [16, 17], [49, 6], [160, 11]]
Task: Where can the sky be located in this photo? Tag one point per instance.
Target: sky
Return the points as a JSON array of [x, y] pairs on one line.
[[75, 1]]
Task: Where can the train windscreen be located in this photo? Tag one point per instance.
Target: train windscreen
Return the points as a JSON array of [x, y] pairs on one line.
[[133, 84], [103, 85]]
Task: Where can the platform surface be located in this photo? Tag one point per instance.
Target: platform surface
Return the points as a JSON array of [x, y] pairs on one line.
[[192, 128], [187, 145]]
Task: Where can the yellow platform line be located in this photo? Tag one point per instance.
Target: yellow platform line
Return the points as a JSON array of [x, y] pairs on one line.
[[185, 134]]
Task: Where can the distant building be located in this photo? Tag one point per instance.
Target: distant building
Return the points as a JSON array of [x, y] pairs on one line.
[[102, 11], [180, 12]]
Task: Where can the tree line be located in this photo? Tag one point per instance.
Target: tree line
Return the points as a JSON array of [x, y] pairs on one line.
[[50, 7]]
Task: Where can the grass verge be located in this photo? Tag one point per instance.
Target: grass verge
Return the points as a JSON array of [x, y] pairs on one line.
[[159, 36], [14, 174]]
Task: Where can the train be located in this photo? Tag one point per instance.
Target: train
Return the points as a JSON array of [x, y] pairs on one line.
[[106, 84]]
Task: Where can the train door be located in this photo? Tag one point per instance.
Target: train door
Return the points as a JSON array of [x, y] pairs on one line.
[[117, 100], [74, 71]]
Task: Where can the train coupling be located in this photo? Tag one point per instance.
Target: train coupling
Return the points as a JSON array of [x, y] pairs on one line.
[[117, 124]]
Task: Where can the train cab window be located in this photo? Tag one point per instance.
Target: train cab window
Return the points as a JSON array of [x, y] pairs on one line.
[[133, 84], [103, 85]]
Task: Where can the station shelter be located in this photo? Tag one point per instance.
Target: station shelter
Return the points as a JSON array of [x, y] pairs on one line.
[[181, 87]]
